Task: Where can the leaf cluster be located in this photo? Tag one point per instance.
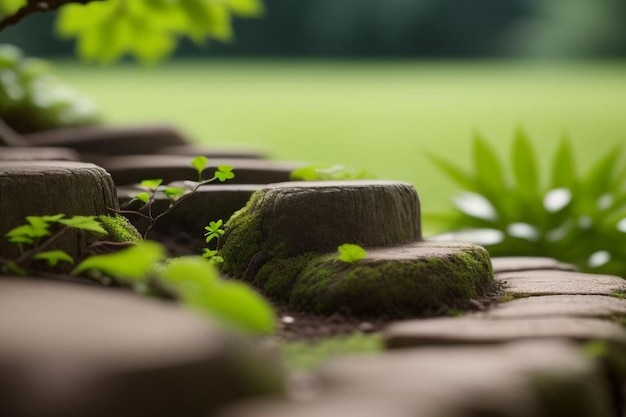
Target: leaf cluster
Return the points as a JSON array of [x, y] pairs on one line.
[[148, 30], [192, 280], [37, 237], [175, 195], [576, 217], [31, 99]]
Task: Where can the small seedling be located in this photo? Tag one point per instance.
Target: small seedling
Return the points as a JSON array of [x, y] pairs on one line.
[[175, 195], [214, 232], [36, 239], [351, 253]]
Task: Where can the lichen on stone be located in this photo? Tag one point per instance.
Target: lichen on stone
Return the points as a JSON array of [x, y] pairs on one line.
[[119, 229]]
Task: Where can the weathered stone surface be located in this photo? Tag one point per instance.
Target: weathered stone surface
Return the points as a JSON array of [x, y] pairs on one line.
[[299, 217], [79, 351], [331, 406], [35, 188], [135, 168], [34, 154], [599, 306], [208, 203], [474, 330], [518, 380], [422, 278], [527, 263], [218, 152], [109, 140], [551, 282]]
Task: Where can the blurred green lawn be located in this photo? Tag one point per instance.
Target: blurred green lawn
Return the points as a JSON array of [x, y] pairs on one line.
[[382, 116]]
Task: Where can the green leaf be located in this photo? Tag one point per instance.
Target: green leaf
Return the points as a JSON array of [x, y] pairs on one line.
[[350, 253], [599, 179], [208, 253], [11, 267], [133, 263], [489, 173], [87, 223], [453, 172], [525, 169], [224, 172], [52, 219], [143, 197], [53, 257], [199, 163], [196, 281], [151, 185], [563, 166], [173, 193]]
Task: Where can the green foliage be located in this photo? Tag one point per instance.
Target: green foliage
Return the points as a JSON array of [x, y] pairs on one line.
[[175, 194], [148, 30], [214, 232], [576, 218], [31, 99], [36, 240], [351, 253], [329, 173], [130, 264], [194, 281]]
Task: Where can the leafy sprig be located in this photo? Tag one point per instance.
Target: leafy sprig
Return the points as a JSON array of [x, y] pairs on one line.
[[350, 253], [577, 218]]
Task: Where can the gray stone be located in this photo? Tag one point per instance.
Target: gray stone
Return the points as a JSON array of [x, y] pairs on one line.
[[109, 140], [78, 351], [599, 306], [474, 330], [35, 188], [529, 379], [34, 154], [527, 263], [212, 151], [551, 282], [135, 168]]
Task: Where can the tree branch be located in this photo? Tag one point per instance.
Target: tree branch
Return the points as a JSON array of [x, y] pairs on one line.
[[36, 6]]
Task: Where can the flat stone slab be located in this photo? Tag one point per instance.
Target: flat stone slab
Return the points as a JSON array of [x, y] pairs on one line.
[[34, 154], [474, 330], [109, 140], [527, 263], [73, 350], [217, 152], [527, 379], [551, 282], [518, 380], [135, 168], [599, 306]]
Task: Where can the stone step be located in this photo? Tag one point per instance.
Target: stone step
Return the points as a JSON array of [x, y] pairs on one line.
[[36, 153], [598, 306], [135, 168], [517, 380], [477, 331], [36, 188], [527, 263], [213, 151], [109, 140], [551, 282], [69, 350]]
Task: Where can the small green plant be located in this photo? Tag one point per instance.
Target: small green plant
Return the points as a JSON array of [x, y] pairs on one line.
[[576, 218], [175, 195], [329, 173], [214, 231], [37, 238], [192, 280], [350, 253]]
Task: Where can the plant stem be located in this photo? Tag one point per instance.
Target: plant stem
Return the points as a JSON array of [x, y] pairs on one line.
[[36, 6], [40, 248]]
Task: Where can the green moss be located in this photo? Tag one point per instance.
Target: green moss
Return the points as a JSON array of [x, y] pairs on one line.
[[393, 287], [277, 276], [619, 319], [619, 294], [505, 298], [119, 229], [301, 356]]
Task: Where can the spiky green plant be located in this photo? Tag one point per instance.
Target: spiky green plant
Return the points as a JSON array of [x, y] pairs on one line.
[[575, 217]]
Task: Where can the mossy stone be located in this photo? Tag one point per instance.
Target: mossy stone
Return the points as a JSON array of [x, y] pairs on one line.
[[416, 279], [119, 229]]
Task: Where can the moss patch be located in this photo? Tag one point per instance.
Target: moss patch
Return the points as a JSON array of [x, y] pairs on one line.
[[119, 229], [619, 294], [393, 287]]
